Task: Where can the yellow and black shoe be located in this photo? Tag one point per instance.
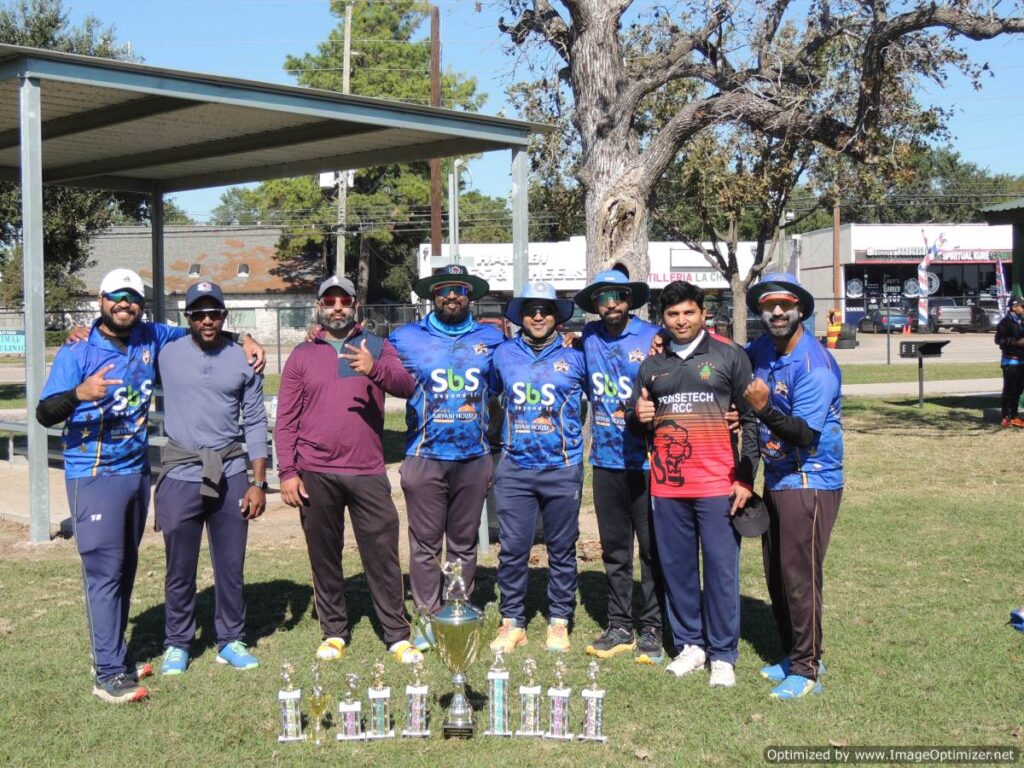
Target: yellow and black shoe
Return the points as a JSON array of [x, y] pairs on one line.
[[612, 641]]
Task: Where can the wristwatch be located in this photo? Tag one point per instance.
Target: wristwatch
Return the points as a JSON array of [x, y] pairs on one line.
[[263, 485]]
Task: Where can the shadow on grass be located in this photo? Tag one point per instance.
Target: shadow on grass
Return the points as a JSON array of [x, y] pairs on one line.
[[903, 416], [270, 605]]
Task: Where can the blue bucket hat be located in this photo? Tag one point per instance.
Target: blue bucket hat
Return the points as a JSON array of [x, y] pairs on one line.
[[538, 291], [779, 282], [612, 278]]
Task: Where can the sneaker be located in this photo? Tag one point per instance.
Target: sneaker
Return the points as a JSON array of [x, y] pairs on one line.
[[510, 636], [1017, 619], [141, 672], [405, 652], [723, 674], [331, 649], [1005, 422], [779, 672], [423, 642], [237, 655], [796, 687], [649, 649], [1017, 422], [558, 636], [119, 689], [612, 641], [175, 661], [689, 660]]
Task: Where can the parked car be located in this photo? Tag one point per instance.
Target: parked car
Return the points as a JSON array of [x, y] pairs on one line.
[[884, 320], [986, 315], [722, 323], [944, 312]]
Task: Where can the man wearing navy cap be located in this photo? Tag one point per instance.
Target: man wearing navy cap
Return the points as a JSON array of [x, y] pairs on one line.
[[614, 346], [541, 383], [203, 482], [447, 467], [796, 396]]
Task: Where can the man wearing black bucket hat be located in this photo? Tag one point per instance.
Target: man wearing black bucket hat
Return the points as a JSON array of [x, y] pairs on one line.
[[447, 467], [614, 346], [796, 396], [1010, 339], [540, 381]]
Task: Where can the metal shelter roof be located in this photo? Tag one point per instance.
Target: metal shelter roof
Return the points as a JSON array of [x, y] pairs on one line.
[[117, 125], [91, 122]]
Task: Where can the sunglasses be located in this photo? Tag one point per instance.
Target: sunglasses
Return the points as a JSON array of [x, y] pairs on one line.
[[784, 304], [612, 296], [341, 301], [198, 315], [459, 289], [531, 310], [118, 296]]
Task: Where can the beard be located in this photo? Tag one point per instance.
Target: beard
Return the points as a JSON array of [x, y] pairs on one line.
[[452, 316], [782, 331], [120, 325], [335, 324]]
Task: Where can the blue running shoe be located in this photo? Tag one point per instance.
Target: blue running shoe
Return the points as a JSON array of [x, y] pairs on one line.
[[1017, 619], [423, 642], [175, 661], [776, 673], [237, 655], [795, 687]]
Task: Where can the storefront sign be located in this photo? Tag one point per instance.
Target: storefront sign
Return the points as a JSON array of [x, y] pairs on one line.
[[12, 342]]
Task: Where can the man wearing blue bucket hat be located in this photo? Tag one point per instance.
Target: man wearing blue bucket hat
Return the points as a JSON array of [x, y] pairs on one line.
[[796, 396], [614, 346], [540, 382]]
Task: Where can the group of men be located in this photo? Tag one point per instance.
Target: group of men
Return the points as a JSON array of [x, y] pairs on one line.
[[667, 469]]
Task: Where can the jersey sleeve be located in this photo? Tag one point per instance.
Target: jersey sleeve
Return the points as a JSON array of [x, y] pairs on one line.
[[165, 334], [66, 372], [812, 396]]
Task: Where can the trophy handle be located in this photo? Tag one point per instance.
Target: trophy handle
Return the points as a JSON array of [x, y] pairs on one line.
[[421, 616]]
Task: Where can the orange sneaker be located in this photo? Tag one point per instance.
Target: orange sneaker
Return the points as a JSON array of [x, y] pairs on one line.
[[558, 636], [1017, 422], [510, 636]]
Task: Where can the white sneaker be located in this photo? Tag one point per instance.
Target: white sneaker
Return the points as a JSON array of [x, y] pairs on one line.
[[722, 674], [689, 660]]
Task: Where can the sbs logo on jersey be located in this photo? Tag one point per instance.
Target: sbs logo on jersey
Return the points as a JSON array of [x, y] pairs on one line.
[[524, 393], [129, 397], [447, 380], [606, 386]]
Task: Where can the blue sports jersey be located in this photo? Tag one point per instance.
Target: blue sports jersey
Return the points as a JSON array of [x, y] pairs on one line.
[[612, 366], [109, 436], [541, 398], [806, 383], [446, 416]]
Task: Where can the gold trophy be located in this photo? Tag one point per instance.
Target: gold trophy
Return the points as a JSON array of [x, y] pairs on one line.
[[317, 701], [288, 699], [457, 630], [379, 721]]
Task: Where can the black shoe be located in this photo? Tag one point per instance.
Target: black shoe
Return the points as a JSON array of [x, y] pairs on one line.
[[119, 689], [612, 641], [649, 649]]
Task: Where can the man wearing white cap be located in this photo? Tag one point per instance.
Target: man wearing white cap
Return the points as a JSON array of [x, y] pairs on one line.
[[101, 389]]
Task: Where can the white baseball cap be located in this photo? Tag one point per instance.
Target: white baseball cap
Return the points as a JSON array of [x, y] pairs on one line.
[[122, 280]]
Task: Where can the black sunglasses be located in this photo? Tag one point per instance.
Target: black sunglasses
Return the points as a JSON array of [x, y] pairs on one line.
[[198, 315]]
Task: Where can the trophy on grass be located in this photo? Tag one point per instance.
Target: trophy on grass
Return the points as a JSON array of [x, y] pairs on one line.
[[529, 702], [593, 705], [457, 630], [416, 703], [379, 722], [350, 712], [558, 702], [497, 698], [288, 699], [317, 701]]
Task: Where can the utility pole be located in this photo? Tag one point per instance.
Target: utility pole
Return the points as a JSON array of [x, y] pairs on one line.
[[435, 101], [453, 210], [836, 282], [346, 68]]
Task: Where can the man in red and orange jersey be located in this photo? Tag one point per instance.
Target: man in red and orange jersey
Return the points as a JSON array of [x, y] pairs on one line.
[[698, 479]]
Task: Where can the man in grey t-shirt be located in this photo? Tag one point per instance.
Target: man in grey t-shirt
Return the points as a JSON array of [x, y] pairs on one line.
[[203, 483]]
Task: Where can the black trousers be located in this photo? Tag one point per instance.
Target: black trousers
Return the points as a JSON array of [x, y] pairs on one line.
[[623, 509], [1013, 386]]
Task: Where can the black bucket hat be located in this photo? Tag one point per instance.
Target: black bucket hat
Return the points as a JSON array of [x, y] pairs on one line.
[[451, 273], [751, 520]]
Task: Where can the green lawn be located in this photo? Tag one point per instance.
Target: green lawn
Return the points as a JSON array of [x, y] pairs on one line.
[[923, 569], [874, 373]]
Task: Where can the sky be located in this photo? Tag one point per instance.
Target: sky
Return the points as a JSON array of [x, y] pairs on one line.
[[250, 39]]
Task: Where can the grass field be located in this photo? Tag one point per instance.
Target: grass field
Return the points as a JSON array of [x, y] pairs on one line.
[[924, 567]]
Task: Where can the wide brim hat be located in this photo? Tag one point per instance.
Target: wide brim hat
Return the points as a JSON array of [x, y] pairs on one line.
[[612, 278], [779, 282], [751, 520], [538, 291], [451, 273]]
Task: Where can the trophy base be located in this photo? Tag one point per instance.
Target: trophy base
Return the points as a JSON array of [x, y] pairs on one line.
[[601, 739], [497, 733], [344, 737], [416, 734], [386, 735], [559, 736], [283, 739], [451, 731], [530, 734]]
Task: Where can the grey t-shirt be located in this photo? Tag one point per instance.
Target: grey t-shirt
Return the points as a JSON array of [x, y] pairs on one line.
[[204, 394]]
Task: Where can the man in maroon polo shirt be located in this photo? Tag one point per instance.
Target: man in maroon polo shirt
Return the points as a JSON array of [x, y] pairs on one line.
[[330, 422]]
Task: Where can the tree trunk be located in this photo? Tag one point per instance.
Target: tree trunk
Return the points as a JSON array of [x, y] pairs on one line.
[[739, 308], [363, 270]]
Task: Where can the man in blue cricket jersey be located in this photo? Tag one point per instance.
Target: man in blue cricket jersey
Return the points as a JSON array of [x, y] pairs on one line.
[[203, 481], [796, 396], [541, 383], [447, 467], [101, 389], [614, 347]]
